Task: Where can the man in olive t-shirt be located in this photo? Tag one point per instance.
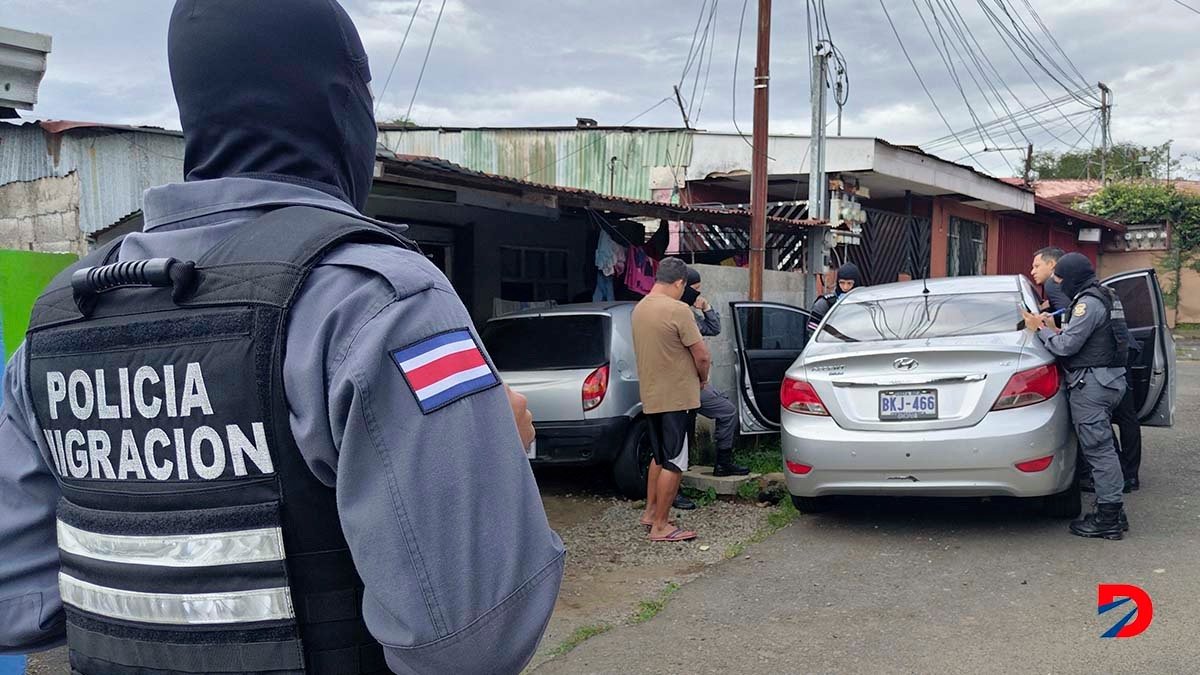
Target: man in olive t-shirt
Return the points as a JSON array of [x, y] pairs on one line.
[[673, 364]]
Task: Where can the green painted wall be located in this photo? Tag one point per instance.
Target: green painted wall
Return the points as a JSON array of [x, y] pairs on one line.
[[23, 275]]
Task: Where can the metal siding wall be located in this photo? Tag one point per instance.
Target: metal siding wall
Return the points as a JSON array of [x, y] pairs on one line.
[[1019, 239], [114, 167], [576, 158]]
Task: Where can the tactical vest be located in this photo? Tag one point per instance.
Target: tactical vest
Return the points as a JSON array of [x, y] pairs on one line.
[[193, 537], [1107, 347]]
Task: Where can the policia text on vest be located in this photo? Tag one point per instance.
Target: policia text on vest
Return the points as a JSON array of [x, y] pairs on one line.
[[179, 446]]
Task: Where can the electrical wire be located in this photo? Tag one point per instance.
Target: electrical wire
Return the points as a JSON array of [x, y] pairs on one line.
[[396, 60], [425, 62], [737, 53], [920, 79], [1184, 4]]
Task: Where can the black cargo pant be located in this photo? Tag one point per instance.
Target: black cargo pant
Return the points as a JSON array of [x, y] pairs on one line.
[[1130, 448]]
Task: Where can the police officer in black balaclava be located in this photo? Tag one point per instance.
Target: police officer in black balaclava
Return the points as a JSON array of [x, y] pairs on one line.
[[848, 279], [297, 456], [1092, 349]]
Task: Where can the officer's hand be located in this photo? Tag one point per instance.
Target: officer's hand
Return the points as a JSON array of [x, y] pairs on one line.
[[702, 304], [522, 416], [1033, 322]]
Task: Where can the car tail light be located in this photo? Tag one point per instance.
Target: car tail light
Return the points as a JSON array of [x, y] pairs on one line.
[[1036, 465], [595, 387], [798, 468], [799, 396], [1028, 387]]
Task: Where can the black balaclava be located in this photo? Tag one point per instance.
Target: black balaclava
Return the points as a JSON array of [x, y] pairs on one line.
[[847, 272], [274, 90], [1076, 272], [693, 277]]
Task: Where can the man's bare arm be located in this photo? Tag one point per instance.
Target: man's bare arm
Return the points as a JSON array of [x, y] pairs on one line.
[[703, 359]]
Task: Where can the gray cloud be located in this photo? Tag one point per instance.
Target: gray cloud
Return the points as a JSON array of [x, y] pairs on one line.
[[546, 62]]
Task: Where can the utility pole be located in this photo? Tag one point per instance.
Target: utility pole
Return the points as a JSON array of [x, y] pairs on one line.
[[1105, 120], [1029, 165], [838, 99], [818, 186], [758, 166]]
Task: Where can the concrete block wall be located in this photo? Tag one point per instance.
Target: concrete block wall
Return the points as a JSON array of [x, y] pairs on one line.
[[42, 215], [723, 285]]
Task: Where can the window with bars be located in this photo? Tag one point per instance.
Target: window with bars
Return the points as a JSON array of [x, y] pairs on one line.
[[967, 250], [533, 274]]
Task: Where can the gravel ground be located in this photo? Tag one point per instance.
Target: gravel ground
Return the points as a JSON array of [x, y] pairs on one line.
[[612, 566]]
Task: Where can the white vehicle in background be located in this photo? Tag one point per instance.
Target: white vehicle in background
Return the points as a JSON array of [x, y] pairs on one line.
[[932, 389]]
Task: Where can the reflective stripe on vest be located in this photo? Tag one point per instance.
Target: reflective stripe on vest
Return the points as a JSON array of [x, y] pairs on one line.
[[183, 550], [266, 604]]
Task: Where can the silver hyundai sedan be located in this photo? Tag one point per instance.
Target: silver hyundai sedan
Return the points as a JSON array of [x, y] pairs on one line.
[[929, 389]]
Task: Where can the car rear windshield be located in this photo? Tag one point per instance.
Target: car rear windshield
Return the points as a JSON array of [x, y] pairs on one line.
[[554, 342], [924, 316]]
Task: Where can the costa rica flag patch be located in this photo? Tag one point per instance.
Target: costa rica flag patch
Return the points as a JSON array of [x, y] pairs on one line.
[[445, 368]]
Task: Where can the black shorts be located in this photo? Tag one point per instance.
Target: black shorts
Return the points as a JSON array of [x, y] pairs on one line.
[[668, 431]]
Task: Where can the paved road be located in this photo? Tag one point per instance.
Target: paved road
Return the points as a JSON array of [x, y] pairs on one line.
[[936, 587]]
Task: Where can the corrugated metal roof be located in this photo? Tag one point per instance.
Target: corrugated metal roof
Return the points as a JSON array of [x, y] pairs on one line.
[[115, 164], [427, 167], [570, 157]]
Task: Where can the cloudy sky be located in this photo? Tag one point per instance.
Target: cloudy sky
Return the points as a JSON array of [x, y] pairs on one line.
[[546, 62]]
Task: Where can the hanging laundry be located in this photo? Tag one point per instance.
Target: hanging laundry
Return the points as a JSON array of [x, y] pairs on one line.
[[604, 288], [606, 261], [640, 269]]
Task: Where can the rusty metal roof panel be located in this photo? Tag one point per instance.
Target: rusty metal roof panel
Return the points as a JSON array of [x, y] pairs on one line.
[[115, 165], [568, 157]]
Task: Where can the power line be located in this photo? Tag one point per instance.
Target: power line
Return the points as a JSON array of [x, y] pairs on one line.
[[737, 53], [425, 62], [1181, 3], [1033, 46], [1037, 18], [388, 81], [687, 64], [922, 81], [946, 60]]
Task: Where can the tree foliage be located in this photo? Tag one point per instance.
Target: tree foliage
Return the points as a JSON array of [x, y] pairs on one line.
[[1125, 160]]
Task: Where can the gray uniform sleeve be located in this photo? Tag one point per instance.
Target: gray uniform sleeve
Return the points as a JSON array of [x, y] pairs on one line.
[[31, 616], [709, 323], [1080, 328], [439, 507]]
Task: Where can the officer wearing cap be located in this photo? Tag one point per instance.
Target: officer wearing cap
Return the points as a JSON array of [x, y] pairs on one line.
[[1092, 350], [848, 279], [260, 435]]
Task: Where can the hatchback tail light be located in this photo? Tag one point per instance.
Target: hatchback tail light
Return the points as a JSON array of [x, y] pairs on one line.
[[798, 468], [799, 396], [1028, 387], [595, 387]]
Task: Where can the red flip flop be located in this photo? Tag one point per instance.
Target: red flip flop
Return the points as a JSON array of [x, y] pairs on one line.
[[678, 534]]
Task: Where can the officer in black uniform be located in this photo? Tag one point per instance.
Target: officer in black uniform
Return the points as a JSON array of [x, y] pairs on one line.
[[243, 440], [848, 279], [1092, 350]]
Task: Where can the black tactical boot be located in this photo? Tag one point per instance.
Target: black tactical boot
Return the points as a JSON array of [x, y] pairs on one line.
[[724, 465], [1107, 521]]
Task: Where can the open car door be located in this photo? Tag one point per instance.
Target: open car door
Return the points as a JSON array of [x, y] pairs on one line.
[[769, 338], [1153, 371]]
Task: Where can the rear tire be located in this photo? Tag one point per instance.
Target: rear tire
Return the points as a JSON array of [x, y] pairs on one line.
[[812, 504], [1065, 504], [633, 463]]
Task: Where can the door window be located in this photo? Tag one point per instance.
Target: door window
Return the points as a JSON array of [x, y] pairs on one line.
[[1139, 303], [772, 328]]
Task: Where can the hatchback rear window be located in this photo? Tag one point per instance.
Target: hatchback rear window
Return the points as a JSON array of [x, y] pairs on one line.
[[924, 316], [555, 342]]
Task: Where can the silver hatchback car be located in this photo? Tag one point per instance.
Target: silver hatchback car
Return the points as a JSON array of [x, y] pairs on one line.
[[934, 389], [575, 364]]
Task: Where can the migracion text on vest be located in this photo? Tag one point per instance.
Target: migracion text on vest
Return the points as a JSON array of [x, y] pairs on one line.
[[179, 451]]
